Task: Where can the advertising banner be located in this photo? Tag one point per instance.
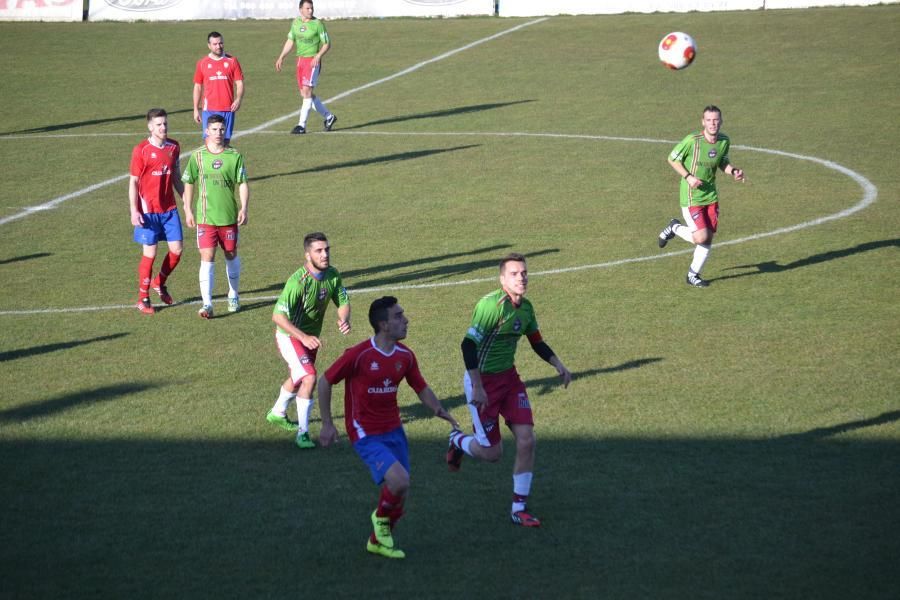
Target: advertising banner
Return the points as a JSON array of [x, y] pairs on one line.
[[178, 10], [535, 8], [41, 10]]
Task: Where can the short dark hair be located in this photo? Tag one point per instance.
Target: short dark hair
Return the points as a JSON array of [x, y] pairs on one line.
[[315, 236], [214, 34], [378, 310], [302, 2], [712, 108], [156, 112], [214, 119], [511, 257]]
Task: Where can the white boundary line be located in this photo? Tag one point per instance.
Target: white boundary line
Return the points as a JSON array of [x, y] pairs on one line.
[[870, 194], [50, 204]]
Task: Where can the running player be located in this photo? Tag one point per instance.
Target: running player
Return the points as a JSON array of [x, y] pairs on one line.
[[298, 315], [492, 384], [309, 35], [219, 83], [218, 171], [696, 159], [154, 174], [372, 371]]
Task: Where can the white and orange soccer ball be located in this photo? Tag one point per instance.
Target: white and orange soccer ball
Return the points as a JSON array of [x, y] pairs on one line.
[[677, 50]]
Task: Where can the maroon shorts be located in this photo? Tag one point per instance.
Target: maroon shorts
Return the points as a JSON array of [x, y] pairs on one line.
[[704, 217], [210, 236], [507, 397]]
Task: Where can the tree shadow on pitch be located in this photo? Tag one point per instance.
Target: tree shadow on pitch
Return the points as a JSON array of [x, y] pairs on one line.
[[351, 273], [52, 406], [75, 124], [374, 160], [46, 348], [449, 112], [772, 266]]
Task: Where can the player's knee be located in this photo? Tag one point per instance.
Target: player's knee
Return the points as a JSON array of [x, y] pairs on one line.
[[491, 453]]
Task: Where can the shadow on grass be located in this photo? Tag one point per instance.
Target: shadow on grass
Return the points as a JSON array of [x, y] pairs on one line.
[[65, 402], [349, 274], [449, 112], [374, 160], [772, 266], [622, 518], [823, 432], [46, 348], [16, 259], [75, 124]]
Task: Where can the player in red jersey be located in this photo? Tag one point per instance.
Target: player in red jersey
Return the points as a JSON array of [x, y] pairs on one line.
[[154, 179], [373, 369], [219, 83]]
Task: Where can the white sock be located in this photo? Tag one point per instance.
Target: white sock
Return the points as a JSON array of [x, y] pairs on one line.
[[233, 270], [464, 442], [521, 487], [320, 107], [303, 407], [284, 401], [684, 232], [304, 111], [207, 279], [700, 254]]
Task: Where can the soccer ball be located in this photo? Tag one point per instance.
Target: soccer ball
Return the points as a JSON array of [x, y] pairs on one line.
[[677, 50]]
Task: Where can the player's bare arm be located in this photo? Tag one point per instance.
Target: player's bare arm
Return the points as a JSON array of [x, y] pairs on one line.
[[343, 320], [238, 95], [682, 171], [137, 219], [429, 399], [187, 200], [284, 51], [562, 370], [244, 194], [328, 435], [308, 341], [198, 89]]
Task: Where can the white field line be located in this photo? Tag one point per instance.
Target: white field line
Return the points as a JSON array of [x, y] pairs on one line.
[[870, 194], [50, 204]]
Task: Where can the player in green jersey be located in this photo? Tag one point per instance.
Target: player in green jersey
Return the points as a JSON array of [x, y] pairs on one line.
[[308, 34], [696, 159], [492, 384], [218, 171], [298, 315]]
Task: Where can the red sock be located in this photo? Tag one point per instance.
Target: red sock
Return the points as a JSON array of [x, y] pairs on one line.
[[168, 265], [396, 514], [388, 503], [145, 269]]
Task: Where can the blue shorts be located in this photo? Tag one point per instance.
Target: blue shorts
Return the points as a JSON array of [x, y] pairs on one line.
[[159, 227], [229, 121], [381, 451]]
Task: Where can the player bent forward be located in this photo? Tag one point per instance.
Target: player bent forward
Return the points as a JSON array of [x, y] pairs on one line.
[[371, 372], [492, 384]]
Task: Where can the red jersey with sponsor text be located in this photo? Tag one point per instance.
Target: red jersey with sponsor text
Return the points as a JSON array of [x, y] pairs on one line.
[[154, 167], [217, 76], [370, 380]]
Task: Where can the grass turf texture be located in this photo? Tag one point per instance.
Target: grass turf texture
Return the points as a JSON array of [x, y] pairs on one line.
[[740, 441]]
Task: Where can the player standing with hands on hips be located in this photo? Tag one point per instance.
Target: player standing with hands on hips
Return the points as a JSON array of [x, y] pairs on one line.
[[492, 384], [372, 371], [696, 159], [309, 35]]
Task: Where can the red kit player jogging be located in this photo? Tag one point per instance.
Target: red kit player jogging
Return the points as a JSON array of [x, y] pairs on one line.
[[371, 372], [154, 179], [492, 384]]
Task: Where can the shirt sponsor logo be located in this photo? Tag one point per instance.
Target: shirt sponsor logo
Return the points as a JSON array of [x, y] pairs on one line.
[[217, 164], [712, 153], [142, 5], [322, 294], [387, 387]]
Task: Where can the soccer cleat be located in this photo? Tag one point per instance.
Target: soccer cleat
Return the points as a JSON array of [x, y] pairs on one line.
[[298, 130], [454, 454], [206, 312], [376, 548], [524, 519], [303, 442], [234, 304], [281, 420], [163, 294], [667, 233], [330, 120], [694, 280], [382, 528], [145, 307]]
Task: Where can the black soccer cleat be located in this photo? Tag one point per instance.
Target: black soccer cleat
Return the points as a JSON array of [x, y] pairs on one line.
[[694, 280], [667, 233], [298, 130], [330, 121]]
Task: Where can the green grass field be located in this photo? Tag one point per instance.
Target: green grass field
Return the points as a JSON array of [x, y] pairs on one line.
[[741, 441]]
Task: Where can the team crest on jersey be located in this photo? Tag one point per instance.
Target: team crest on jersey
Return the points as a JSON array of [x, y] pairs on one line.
[[398, 367], [217, 164], [712, 153], [226, 64], [374, 366], [517, 325]]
